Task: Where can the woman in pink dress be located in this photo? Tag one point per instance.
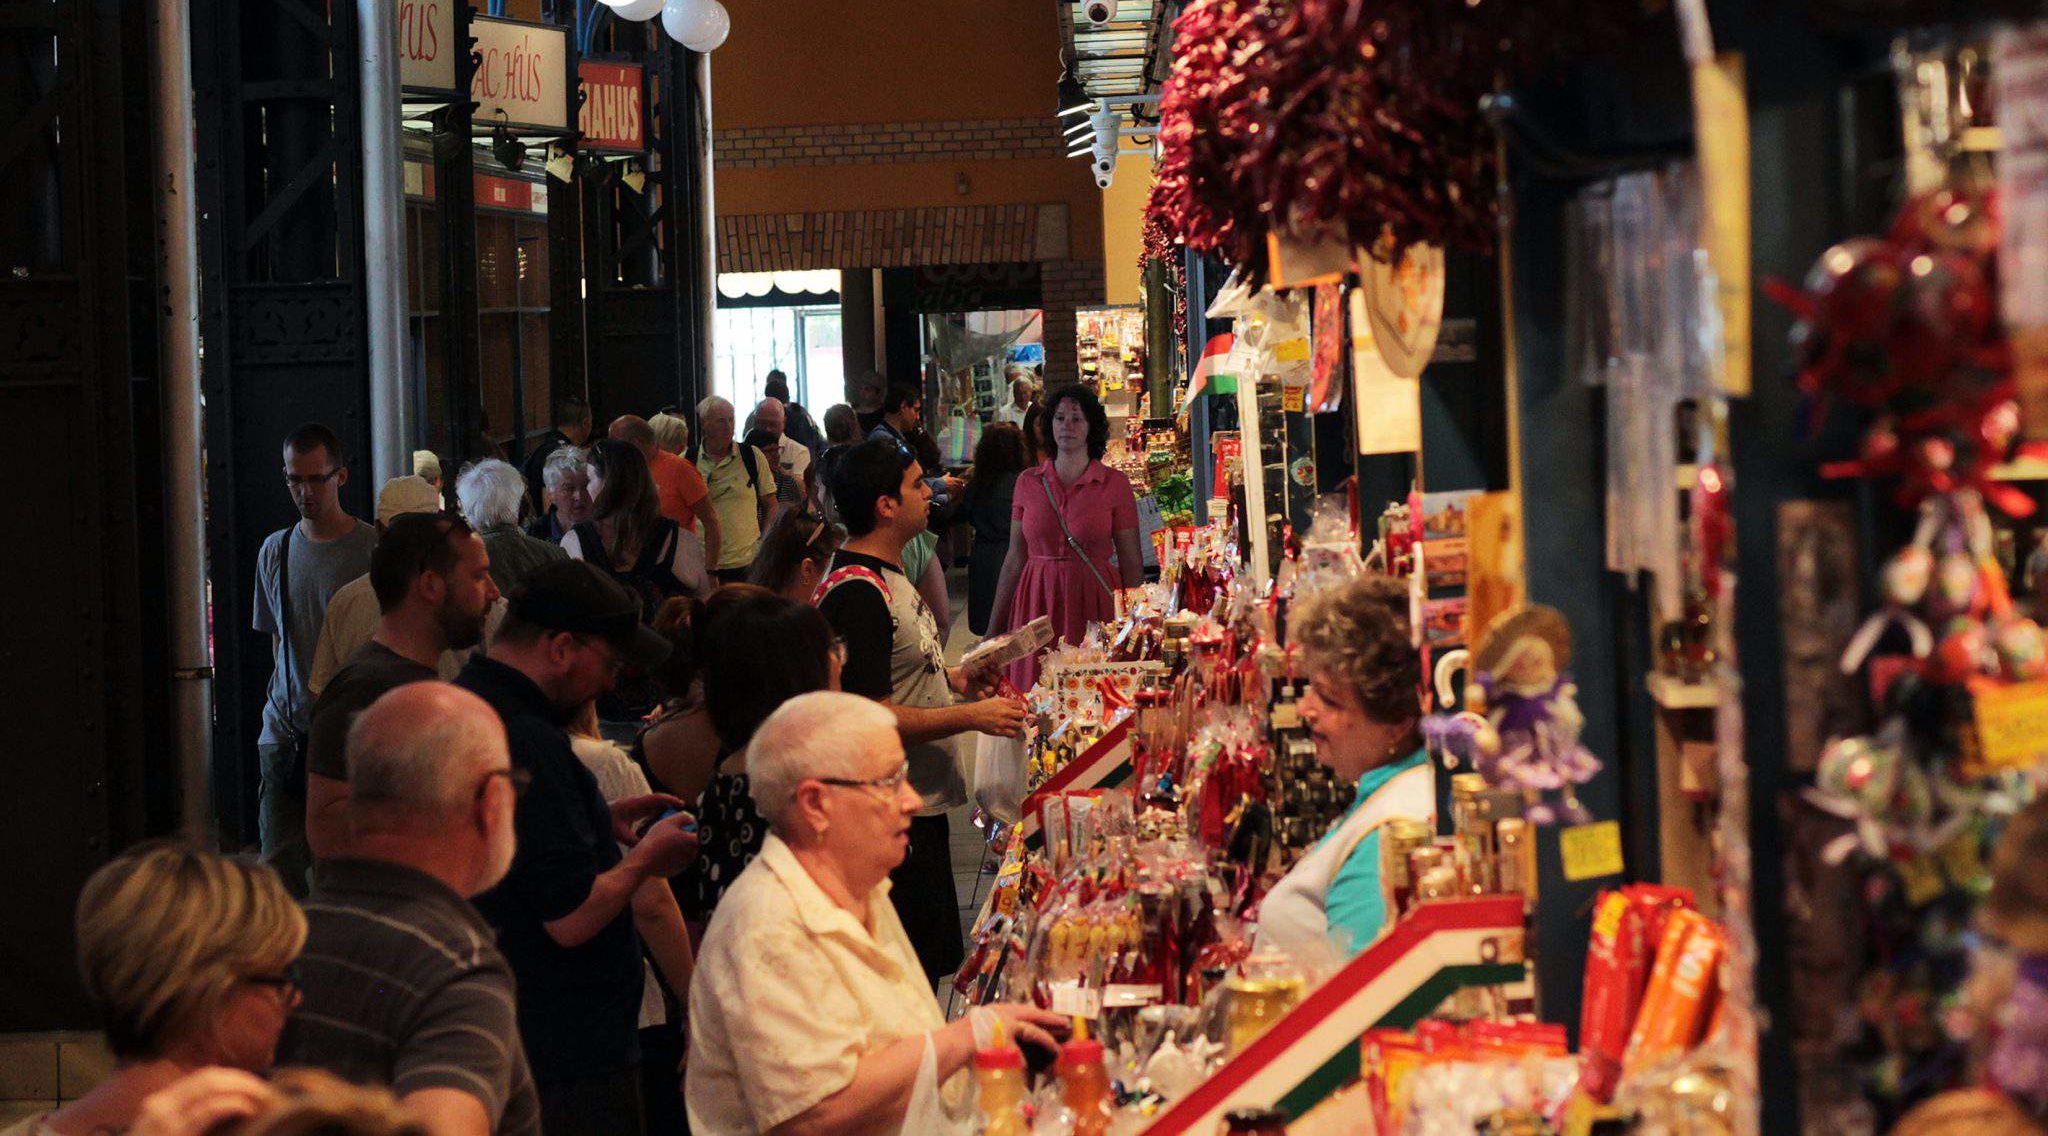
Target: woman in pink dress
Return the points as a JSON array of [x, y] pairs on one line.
[[1044, 573]]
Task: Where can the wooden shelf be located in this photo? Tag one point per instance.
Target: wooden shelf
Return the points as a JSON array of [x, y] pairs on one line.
[[1673, 694]]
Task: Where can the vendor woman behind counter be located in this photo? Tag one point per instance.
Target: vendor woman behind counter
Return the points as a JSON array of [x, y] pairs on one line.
[[1362, 706]]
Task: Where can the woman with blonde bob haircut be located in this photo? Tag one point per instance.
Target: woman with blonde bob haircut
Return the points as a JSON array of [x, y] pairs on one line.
[[189, 959]]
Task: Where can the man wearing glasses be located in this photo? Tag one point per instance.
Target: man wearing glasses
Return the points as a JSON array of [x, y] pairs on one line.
[[402, 984], [298, 570], [571, 913]]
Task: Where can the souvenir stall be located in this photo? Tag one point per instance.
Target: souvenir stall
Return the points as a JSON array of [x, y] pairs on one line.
[[1918, 355], [1168, 782]]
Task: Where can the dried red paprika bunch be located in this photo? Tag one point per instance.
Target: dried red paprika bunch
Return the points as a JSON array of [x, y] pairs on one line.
[[1335, 116]]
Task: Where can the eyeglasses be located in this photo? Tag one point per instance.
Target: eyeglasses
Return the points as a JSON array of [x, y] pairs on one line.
[[518, 778], [286, 984], [889, 784], [308, 480]]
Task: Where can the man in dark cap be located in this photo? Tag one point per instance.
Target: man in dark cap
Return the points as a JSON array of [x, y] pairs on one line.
[[566, 913]]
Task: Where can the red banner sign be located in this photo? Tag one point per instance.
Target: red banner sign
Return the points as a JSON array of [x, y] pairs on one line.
[[503, 193], [611, 117]]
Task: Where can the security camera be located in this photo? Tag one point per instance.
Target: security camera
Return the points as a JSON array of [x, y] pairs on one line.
[[1099, 12], [1105, 169]]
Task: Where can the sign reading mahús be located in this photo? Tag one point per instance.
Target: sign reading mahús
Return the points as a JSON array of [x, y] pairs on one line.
[[426, 44], [611, 118], [524, 73]]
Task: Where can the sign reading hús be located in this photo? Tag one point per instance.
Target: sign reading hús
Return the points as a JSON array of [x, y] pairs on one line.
[[426, 44], [523, 77], [611, 118]]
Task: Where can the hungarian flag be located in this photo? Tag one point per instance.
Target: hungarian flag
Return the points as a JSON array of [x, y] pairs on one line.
[[1209, 376]]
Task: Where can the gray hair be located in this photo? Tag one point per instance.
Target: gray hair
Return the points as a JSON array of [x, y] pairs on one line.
[[671, 432], [490, 492], [419, 747], [820, 734], [560, 464], [711, 402]]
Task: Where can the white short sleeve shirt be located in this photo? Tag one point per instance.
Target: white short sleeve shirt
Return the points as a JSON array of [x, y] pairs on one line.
[[790, 992]]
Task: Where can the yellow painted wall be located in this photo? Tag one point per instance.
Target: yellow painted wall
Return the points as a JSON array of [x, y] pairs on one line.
[[1123, 219], [877, 61]]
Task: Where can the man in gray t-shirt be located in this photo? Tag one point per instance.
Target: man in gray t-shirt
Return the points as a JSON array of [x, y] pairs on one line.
[[328, 549]]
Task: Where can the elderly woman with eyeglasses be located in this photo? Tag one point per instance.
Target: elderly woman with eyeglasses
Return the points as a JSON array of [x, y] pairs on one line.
[[189, 958], [809, 1009]]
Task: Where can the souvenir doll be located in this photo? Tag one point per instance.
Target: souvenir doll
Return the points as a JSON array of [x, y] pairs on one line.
[[1525, 715]]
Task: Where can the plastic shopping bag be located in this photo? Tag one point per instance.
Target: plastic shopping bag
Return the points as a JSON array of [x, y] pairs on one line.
[[999, 776]]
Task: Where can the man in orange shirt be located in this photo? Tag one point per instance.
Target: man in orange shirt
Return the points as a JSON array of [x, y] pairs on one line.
[[685, 499]]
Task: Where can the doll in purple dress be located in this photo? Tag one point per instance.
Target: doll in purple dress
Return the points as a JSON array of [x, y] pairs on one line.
[[1524, 714]]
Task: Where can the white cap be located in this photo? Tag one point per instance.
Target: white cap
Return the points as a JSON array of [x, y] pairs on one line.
[[409, 494]]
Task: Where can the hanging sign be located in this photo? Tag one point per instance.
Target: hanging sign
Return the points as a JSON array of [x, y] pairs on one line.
[[611, 117], [426, 44], [1386, 405], [523, 78]]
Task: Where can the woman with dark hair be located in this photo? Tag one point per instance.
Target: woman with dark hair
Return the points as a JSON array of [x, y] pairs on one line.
[[794, 553], [1069, 518], [655, 559], [985, 505], [628, 537], [769, 649]]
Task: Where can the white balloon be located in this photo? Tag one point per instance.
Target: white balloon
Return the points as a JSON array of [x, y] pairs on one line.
[[700, 25], [636, 9], [713, 30]]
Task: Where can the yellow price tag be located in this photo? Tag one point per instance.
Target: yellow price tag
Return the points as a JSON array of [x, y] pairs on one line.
[[1923, 881], [1591, 850], [2009, 717], [1293, 399], [1291, 351]]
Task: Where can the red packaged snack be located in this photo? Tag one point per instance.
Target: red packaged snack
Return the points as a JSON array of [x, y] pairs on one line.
[[1628, 925], [1678, 999]]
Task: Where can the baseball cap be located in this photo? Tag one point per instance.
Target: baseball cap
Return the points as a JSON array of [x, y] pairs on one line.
[[409, 494], [576, 596]]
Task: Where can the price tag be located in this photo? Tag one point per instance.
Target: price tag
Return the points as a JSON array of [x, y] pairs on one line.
[[1591, 850], [1122, 995], [1292, 351], [1071, 999], [1922, 880], [1293, 399]]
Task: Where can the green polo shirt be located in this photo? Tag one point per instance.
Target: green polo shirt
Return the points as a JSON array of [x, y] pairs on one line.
[[739, 521]]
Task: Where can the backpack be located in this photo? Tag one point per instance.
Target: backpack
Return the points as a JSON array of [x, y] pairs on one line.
[[746, 455], [651, 580]]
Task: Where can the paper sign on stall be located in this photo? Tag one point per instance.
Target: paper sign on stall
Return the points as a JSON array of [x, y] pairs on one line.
[[1387, 407]]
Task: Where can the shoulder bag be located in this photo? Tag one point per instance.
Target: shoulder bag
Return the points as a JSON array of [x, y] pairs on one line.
[[1045, 483]]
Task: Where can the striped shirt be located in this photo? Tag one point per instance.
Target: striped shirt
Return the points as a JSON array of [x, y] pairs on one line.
[[405, 988]]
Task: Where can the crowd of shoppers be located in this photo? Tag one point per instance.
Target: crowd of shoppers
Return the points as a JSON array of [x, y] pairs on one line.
[[636, 696]]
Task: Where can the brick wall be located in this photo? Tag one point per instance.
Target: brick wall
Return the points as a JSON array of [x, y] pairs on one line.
[[1067, 285], [892, 238], [994, 139]]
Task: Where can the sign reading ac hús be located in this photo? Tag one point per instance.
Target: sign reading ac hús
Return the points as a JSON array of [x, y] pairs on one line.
[[523, 74]]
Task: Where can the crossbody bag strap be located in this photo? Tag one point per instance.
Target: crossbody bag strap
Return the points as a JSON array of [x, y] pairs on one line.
[[284, 625], [1059, 515]]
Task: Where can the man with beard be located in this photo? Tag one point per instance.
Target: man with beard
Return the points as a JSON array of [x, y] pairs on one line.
[[432, 578], [400, 981], [571, 913]]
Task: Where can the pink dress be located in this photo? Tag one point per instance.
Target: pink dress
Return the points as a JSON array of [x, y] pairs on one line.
[[1054, 581]]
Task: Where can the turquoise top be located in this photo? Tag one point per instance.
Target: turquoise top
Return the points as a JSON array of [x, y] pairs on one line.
[[1356, 905]]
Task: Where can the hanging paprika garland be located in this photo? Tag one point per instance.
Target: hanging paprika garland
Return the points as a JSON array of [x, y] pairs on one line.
[[1341, 118]]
